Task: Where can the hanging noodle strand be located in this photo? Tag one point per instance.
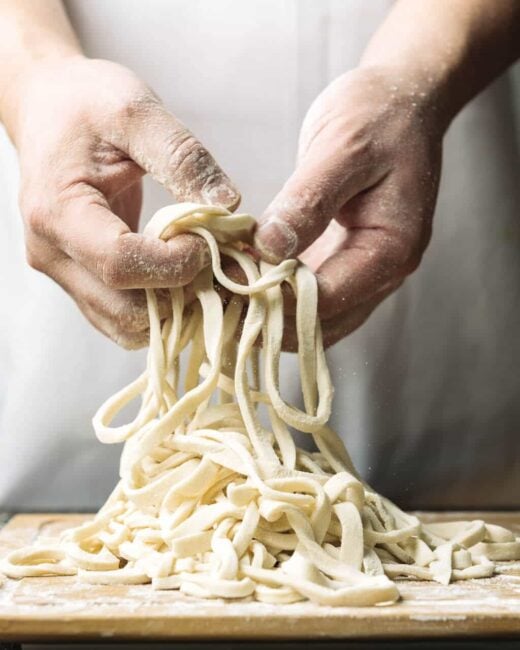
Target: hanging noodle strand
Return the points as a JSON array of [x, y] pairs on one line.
[[214, 502]]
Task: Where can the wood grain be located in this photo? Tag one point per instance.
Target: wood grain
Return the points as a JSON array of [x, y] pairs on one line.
[[63, 609]]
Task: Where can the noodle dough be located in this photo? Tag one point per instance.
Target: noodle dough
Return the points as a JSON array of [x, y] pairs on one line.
[[215, 503]]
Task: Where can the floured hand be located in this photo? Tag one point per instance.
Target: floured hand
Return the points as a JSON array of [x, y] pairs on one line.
[[86, 132], [358, 208]]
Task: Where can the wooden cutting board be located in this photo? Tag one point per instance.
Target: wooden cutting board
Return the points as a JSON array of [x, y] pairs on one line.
[[63, 609]]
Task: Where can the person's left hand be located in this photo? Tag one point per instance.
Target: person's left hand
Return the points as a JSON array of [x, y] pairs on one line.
[[358, 209]]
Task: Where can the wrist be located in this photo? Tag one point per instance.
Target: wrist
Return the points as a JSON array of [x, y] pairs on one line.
[[451, 50], [31, 33], [420, 93], [17, 78]]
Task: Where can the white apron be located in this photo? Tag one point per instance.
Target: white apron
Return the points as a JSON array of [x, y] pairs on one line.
[[427, 392]]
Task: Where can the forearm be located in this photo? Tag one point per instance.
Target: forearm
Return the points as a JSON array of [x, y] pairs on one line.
[[448, 49], [30, 31]]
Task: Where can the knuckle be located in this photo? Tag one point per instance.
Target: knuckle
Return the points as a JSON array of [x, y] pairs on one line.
[[412, 262], [312, 193], [184, 166], [308, 208], [130, 313], [187, 157], [129, 341], [118, 331], [408, 250], [112, 272], [33, 259], [312, 197], [35, 217], [135, 103], [115, 264], [103, 321], [360, 143]]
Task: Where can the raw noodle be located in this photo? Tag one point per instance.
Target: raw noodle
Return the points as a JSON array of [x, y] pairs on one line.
[[216, 503]]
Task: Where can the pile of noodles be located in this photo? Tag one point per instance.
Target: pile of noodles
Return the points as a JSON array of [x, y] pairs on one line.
[[216, 503]]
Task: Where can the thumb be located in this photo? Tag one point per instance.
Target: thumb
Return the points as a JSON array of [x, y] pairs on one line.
[[161, 145], [313, 195]]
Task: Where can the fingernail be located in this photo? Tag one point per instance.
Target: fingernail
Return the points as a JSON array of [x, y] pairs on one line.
[[223, 195], [276, 240]]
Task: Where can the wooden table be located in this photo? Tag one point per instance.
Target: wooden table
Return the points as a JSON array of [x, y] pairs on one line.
[[61, 609]]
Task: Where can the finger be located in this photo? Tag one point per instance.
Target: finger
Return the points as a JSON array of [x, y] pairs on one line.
[[335, 328], [127, 205], [385, 239], [126, 340], [363, 269], [122, 315], [88, 232], [327, 244], [315, 193], [164, 147]]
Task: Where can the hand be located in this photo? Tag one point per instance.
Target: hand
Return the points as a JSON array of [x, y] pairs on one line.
[[86, 132], [358, 209]]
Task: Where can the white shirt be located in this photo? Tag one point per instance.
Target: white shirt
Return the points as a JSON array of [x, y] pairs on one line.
[[427, 391]]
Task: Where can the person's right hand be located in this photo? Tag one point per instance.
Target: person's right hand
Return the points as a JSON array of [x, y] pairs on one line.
[[86, 132]]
